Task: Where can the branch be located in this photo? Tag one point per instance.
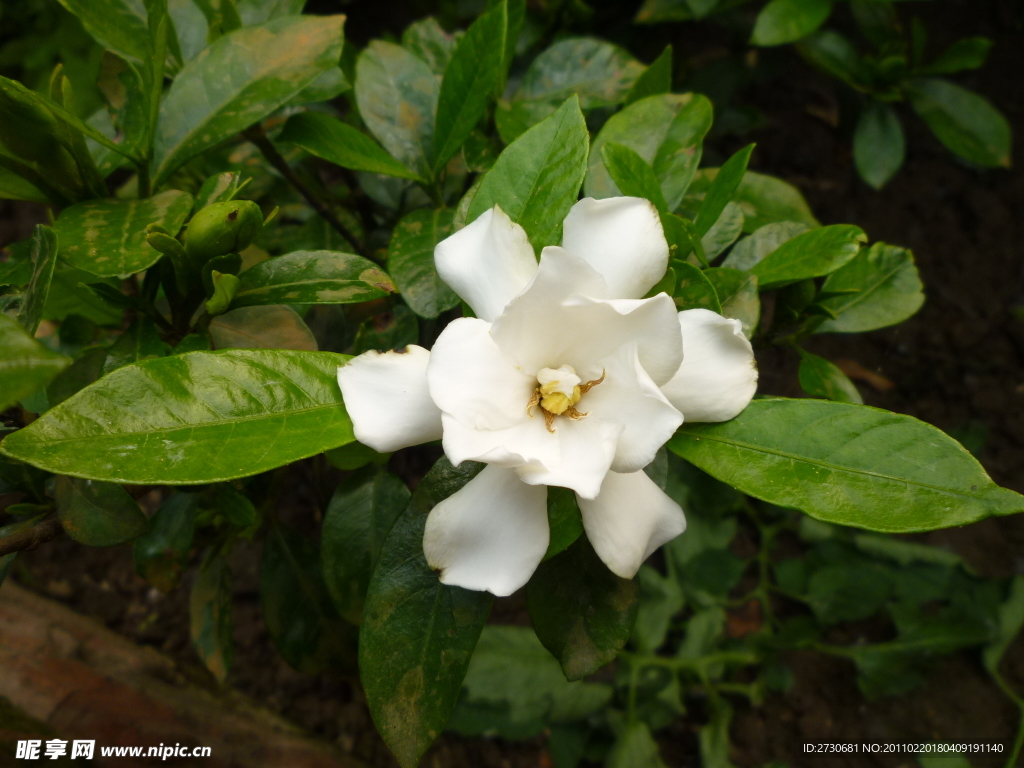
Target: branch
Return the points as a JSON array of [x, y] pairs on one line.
[[256, 135], [31, 537]]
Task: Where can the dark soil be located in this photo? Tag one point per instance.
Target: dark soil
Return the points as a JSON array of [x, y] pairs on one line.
[[959, 364]]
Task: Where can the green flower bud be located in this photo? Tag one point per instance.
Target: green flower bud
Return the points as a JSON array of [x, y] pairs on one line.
[[224, 289], [221, 228]]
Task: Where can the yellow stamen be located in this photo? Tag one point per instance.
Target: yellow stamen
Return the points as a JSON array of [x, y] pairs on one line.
[[553, 400]]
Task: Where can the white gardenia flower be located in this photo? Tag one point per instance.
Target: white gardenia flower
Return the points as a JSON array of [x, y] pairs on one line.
[[565, 377]]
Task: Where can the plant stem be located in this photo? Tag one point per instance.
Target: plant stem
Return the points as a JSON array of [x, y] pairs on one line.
[[256, 135], [31, 537], [1018, 742]]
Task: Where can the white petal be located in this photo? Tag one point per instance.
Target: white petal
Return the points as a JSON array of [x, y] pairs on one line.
[[487, 262], [562, 319], [525, 443], [629, 397], [470, 379], [718, 376], [386, 397], [622, 238], [586, 451], [490, 535], [629, 519]]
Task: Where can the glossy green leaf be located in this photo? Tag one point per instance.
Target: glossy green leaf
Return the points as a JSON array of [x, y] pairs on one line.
[[397, 96], [786, 21], [201, 417], [512, 673], [44, 259], [965, 122], [632, 174], [80, 374], [108, 237], [635, 747], [721, 189], [968, 53], [752, 249], [693, 289], [297, 609], [820, 378], [117, 25], [14, 187], [878, 144], [812, 254], [877, 288], [666, 131], [162, 553], [70, 296], [598, 73], [273, 326], [140, 341], [468, 83], [357, 521], [210, 616], [239, 80], [430, 42], [26, 366], [312, 277], [417, 634], [847, 464], [723, 232], [340, 143], [660, 600], [763, 199], [354, 456], [98, 514], [564, 520], [513, 119], [411, 260], [536, 180], [657, 78], [218, 189], [582, 612]]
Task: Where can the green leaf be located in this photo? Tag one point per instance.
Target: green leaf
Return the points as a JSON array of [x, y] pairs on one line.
[[258, 11], [397, 96], [26, 366], [582, 612], [693, 289], [820, 378], [512, 671], [656, 79], [536, 180], [1011, 619], [598, 73], [44, 259], [468, 83], [430, 42], [210, 615], [162, 553], [108, 237], [564, 520], [417, 634], [140, 342], [117, 25], [835, 54], [81, 373], [98, 514], [660, 600], [70, 296], [297, 609], [786, 21], [14, 187], [396, 329], [763, 199], [877, 288], [239, 80], [635, 748], [513, 119], [878, 144], [721, 189], [752, 249], [312, 277], [812, 254], [411, 260], [221, 188], [354, 456], [340, 143], [847, 464], [666, 131], [358, 518], [274, 326], [966, 123], [723, 232], [632, 175], [201, 417], [968, 53]]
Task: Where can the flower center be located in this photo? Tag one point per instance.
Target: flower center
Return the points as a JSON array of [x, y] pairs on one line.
[[557, 393]]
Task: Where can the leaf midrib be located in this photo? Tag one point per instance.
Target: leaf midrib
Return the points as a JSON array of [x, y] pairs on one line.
[[863, 295], [834, 467]]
